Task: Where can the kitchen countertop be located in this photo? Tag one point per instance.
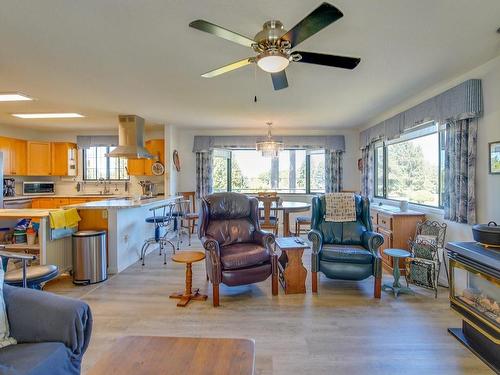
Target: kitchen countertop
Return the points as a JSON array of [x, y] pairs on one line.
[[83, 196], [121, 203], [25, 213]]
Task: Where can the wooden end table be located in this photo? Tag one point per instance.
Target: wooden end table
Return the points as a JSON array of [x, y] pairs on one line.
[[292, 273], [188, 257], [147, 355], [396, 286]]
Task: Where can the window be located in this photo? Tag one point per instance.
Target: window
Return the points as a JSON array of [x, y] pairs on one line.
[[97, 165], [294, 171], [411, 168]]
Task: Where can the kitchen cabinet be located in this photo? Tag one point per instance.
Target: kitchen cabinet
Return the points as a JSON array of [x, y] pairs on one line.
[[39, 159], [64, 159], [18, 160], [397, 227], [42, 203], [142, 167], [5, 145]]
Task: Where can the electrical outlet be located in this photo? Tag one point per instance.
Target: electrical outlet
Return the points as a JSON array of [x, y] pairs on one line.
[[104, 214]]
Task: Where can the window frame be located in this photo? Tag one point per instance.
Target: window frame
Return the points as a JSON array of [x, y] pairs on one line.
[[408, 137], [307, 172], [108, 171]]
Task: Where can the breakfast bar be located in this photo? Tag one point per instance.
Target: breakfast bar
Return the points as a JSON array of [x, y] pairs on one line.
[[124, 221]]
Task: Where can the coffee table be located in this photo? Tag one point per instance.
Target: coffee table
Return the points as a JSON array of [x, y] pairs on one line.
[[396, 286], [151, 355], [188, 257], [292, 273]]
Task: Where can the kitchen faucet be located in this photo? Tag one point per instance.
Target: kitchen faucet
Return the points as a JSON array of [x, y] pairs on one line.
[[104, 182]]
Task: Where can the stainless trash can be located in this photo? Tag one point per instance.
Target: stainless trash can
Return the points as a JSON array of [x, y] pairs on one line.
[[89, 257]]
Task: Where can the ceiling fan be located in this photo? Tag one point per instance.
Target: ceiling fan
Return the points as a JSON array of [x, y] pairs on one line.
[[273, 45]]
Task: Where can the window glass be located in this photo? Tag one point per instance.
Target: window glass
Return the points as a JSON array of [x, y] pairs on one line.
[[317, 171], [379, 171], [413, 170], [250, 172], [220, 171], [97, 165]]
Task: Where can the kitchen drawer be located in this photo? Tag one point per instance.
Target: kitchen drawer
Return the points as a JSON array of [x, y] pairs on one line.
[[384, 221], [58, 202]]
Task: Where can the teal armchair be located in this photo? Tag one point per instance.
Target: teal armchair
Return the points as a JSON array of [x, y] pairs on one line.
[[345, 251]]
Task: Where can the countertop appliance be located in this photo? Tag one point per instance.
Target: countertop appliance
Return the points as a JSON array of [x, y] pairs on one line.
[[148, 188], [39, 188], [9, 187]]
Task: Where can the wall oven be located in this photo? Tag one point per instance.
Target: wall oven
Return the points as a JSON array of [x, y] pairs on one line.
[[39, 188]]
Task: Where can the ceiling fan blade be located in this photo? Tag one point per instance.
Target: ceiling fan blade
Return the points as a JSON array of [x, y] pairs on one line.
[[221, 32], [328, 60], [228, 68], [317, 20], [279, 80]]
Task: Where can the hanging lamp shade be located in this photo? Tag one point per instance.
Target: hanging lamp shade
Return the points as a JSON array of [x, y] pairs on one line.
[[269, 147]]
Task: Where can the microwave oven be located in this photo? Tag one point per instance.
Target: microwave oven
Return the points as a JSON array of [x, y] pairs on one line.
[[39, 188]]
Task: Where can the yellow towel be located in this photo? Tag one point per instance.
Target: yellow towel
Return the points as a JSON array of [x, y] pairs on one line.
[[57, 219], [72, 217]]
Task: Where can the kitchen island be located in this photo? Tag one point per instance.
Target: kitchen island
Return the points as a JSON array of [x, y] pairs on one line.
[[124, 221]]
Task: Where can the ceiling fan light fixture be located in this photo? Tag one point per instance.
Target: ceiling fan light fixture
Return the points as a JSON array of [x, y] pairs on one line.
[[272, 62]]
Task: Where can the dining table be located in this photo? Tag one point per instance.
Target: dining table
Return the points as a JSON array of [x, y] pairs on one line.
[[287, 207]]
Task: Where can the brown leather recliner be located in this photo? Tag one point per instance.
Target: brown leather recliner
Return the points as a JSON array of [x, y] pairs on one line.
[[238, 252]]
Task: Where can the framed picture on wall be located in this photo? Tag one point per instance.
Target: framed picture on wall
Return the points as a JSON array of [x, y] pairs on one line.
[[495, 157]]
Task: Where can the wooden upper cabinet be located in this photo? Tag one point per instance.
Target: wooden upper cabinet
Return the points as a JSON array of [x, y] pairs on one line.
[[142, 167], [5, 145], [155, 147], [64, 155], [39, 158], [18, 157]]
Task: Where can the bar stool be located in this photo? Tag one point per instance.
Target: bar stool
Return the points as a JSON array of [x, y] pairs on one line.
[[181, 214], [163, 217], [299, 221], [28, 276]]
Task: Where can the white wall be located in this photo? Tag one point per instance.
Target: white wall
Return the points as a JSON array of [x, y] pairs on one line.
[[186, 179], [487, 186]]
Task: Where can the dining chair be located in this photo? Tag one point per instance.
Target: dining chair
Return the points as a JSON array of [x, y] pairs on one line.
[[269, 221], [192, 216]]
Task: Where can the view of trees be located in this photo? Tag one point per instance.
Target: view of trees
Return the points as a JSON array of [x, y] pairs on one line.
[[242, 179], [411, 175]]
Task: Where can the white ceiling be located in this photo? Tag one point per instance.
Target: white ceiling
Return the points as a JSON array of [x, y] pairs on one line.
[[101, 58]]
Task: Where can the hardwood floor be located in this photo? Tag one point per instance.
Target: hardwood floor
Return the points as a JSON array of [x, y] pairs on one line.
[[342, 330]]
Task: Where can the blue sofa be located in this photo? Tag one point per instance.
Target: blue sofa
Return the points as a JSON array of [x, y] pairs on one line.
[[52, 332]]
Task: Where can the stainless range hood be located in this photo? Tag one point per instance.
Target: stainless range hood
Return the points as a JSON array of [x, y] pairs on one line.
[[130, 139]]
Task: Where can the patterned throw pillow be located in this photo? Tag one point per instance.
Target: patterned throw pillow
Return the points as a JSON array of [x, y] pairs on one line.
[[340, 207], [5, 339]]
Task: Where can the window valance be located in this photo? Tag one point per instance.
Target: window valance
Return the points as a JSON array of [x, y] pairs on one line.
[[86, 141], [461, 102], [329, 142]]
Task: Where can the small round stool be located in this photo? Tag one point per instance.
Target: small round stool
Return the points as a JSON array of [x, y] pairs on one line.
[[188, 257], [396, 287], [35, 276]]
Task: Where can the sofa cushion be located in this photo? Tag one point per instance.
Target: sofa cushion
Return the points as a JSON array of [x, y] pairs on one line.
[[241, 255], [41, 358], [346, 254], [227, 232]]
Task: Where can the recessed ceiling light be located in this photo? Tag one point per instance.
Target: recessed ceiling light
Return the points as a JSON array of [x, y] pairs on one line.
[[13, 97], [47, 115]]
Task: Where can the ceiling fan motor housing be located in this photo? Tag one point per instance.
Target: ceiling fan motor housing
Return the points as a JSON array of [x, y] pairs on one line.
[[269, 39]]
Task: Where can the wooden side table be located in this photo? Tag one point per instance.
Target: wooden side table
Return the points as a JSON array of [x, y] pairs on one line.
[[292, 273], [396, 286], [188, 257]]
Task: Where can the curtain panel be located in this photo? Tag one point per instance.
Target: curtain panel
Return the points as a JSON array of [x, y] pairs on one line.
[[367, 173], [460, 171], [204, 180], [329, 142], [333, 171], [464, 101]]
